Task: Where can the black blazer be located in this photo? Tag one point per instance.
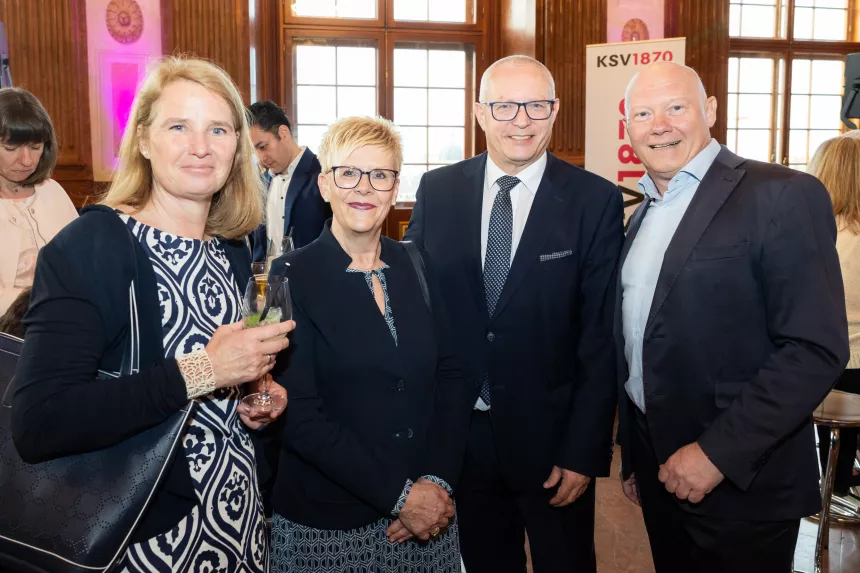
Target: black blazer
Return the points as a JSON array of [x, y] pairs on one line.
[[77, 324], [746, 335], [304, 208], [549, 346], [364, 414]]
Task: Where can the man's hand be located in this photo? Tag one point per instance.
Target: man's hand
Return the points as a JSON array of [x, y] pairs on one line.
[[572, 486], [689, 474], [427, 507], [628, 486]]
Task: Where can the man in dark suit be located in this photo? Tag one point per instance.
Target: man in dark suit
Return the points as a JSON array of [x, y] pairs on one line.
[[730, 330], [293, 200], [526, 247]]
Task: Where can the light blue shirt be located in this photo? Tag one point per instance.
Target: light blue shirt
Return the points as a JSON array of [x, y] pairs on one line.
[[645, 258]]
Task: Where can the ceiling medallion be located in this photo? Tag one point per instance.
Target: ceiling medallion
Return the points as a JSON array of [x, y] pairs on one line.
[[124, 21]]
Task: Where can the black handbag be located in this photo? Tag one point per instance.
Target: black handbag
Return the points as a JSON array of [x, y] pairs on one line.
[[77, 514]]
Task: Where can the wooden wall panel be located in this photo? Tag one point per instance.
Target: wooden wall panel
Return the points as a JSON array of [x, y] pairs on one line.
[[48, 56], [217, 30], [564, 28], [706, 27]]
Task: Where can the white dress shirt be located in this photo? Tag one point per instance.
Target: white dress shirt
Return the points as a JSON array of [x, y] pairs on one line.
[[522, 197], [645, 258], [275, 201]]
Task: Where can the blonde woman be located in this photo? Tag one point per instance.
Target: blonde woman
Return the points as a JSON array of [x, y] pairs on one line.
[[33, 207], [371, 444], [837, 164], [182, 199]]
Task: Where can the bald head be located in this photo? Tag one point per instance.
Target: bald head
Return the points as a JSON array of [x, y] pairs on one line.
[[669, 119], [663, 74], [511, 64]]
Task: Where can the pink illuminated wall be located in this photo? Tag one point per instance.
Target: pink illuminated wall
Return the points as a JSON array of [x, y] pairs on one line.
[[634, 20], [123, 84], [123, 36]]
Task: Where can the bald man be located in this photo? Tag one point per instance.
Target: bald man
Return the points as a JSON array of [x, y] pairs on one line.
[[526, 248], [730, 330]]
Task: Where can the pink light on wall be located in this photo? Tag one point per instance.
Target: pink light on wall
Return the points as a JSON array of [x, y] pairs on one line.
[[634, 20], [123, 84]]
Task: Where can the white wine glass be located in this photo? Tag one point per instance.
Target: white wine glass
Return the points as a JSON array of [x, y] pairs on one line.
[[266, 302]]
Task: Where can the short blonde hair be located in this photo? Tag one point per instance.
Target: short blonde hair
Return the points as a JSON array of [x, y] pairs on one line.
[[237, 208], [350, 133], [836, 163]]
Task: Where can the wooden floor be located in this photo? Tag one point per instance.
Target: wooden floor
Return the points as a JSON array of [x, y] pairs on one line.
[[622, 544]]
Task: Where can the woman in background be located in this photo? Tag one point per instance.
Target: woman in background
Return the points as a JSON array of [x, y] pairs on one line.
[[33, 207], [837, 164]]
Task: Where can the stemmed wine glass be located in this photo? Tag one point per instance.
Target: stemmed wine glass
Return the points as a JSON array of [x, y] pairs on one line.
[[266, 303]]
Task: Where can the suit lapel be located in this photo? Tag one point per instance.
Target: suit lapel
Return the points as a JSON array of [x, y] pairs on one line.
[[473, 194], [635, 223], [547, 207], [297, 183], [715, 188]]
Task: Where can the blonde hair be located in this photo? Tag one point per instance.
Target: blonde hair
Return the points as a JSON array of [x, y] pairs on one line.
[[236, 209], [836, 163], [350, 133]]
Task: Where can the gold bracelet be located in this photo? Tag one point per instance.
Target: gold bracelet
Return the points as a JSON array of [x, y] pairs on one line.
[[196, 369]]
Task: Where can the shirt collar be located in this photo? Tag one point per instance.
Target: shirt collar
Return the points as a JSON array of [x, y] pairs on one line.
[[530, 176], [291, 167], [696, 168]]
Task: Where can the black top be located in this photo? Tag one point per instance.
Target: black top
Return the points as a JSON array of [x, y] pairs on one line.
[[365, 414], [548, 347], [78, 324], [746, 335]]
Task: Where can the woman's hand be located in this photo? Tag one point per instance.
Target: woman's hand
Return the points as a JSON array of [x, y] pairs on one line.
[[240, 354], [252, 417]]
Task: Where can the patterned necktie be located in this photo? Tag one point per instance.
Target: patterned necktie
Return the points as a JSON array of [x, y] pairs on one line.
[[497, 261]]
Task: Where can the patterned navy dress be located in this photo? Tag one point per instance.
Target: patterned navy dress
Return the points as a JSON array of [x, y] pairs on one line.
[[297, 548], [225, 533]]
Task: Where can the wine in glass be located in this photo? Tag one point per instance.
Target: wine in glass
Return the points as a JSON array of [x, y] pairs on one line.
[[266, 303]]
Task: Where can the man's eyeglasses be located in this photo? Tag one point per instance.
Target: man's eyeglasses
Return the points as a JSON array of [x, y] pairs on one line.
[[508, 110], [349, 177]]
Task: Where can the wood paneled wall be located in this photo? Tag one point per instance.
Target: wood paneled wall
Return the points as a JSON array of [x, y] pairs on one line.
[[563, 29], [217, 30], [48, 56], [706, 27]]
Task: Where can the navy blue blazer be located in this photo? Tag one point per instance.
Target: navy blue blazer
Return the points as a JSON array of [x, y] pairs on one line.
[[304, 208], [365, 413], [548, 347], [746, 335], [77, 324]]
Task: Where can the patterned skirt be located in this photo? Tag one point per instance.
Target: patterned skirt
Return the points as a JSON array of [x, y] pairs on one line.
[[300, 549]]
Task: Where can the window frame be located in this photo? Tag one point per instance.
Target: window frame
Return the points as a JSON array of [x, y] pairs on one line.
[[290, 19], [387, 33], [475, 7], [789, 49], [451, 39]]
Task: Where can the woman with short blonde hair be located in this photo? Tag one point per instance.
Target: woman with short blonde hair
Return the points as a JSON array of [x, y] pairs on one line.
[[369, 450], [836, 163], [171, 226]]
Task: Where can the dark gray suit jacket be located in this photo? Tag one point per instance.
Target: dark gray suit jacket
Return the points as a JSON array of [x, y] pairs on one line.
[[746, 335]]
